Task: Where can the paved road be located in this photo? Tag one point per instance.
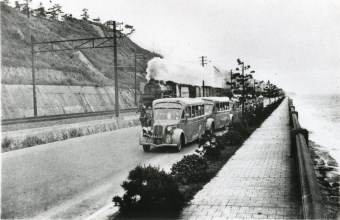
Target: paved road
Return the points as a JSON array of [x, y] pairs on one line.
[[75, 177]]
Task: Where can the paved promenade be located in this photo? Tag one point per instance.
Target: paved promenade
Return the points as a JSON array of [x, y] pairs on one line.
[[258, 182]]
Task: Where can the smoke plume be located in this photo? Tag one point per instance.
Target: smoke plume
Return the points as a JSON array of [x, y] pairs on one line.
[[184, 73]]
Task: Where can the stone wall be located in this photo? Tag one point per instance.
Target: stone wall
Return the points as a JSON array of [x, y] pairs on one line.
[[17, 101]]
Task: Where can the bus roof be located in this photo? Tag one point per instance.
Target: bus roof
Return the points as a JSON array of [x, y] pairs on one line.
[[186, 101], [217, 99]]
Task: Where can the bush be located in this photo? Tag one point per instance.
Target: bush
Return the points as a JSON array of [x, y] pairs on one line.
[[75, 133], [243, 131], [233, 137], [33, 141], [190, 169], [150, 193], [6, 143], [208, 147]]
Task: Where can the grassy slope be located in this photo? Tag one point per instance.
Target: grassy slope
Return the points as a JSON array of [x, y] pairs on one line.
[[16, 30]]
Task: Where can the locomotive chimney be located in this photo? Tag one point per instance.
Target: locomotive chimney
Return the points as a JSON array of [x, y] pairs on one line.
[[152, 80]]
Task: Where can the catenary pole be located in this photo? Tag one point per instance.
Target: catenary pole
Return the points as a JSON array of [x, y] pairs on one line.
[[33, 79], [115, 68], [135, 78]]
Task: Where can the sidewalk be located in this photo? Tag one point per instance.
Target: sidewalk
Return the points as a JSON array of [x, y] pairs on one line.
[[258, 182]]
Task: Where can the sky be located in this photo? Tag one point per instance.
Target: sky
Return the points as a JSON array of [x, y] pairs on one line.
[[293, 43]]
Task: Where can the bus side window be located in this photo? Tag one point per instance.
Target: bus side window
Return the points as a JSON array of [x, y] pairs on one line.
[[188, 112], [227, 105]]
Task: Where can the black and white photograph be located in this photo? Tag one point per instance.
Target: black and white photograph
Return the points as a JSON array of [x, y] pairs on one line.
[[170, 109]]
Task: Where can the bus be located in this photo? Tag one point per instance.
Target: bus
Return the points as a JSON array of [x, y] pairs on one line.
[[218, 112], [176, 122]]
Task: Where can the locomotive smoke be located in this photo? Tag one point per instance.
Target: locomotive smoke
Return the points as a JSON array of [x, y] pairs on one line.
[[184, 73]]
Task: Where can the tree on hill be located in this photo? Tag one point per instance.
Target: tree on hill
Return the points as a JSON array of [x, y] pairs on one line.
[[6, 2], [17, 6], [85, 16], [40, 11], [25, 9], [54, 12], [96, 20], [68, 17]]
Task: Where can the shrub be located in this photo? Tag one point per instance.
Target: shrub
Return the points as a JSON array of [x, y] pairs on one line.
[[233, 137], [75, 133], [190, 169], [207, 147], [150, 193], [243, 131], [6, 143], [33, 141]]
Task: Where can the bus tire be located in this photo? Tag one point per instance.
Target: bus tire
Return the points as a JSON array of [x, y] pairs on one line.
[[146, 148], [180, 145], [212, 128]]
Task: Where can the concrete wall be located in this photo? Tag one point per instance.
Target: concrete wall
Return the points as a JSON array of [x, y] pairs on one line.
[[17, 101]]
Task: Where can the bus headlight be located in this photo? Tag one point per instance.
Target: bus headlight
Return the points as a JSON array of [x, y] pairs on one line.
[[169, 129], [168, 139]]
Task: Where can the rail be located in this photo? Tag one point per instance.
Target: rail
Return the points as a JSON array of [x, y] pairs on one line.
[[310, 191], [61, 116]]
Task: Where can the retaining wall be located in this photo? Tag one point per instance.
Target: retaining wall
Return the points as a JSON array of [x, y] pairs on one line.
[[17, 101]]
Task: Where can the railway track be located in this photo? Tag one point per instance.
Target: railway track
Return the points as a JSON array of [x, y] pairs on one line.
[[61, 116]]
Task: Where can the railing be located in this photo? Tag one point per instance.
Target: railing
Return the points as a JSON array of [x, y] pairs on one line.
[[310, 191]]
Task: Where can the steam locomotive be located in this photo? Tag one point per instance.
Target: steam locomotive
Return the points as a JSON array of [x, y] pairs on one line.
[[156, 89]]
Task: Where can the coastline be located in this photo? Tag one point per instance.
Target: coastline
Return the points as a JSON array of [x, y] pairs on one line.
[[327, 172]]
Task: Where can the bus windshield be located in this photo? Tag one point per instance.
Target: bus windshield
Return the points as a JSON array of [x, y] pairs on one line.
[[167, 114], [208, 109]]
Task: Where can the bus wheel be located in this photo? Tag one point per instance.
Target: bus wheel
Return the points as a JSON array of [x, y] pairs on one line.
[[146, 148], [179, 146], [212, 129]]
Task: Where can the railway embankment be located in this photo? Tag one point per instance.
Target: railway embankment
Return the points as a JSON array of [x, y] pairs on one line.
[[319, 182], [19, 139]]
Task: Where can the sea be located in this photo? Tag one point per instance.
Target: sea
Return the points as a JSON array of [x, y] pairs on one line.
[[320, 115]]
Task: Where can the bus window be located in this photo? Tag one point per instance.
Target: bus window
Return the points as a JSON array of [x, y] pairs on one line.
[[188, 111]]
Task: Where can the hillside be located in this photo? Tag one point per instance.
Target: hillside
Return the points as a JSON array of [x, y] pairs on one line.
[[83, 68]]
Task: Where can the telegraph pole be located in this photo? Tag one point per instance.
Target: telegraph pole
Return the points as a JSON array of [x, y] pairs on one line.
[[243, 98], [231, 81], [135, 78], [115, 68], [203, 60], [33, 79]]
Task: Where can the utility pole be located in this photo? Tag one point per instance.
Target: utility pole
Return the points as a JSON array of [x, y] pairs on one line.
[[135, 78], [231, 81], [203, 60], [243, 98], [33, 79], [115, 68]]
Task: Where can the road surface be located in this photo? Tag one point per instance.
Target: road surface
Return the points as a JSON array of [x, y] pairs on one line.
[[75, 177]]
